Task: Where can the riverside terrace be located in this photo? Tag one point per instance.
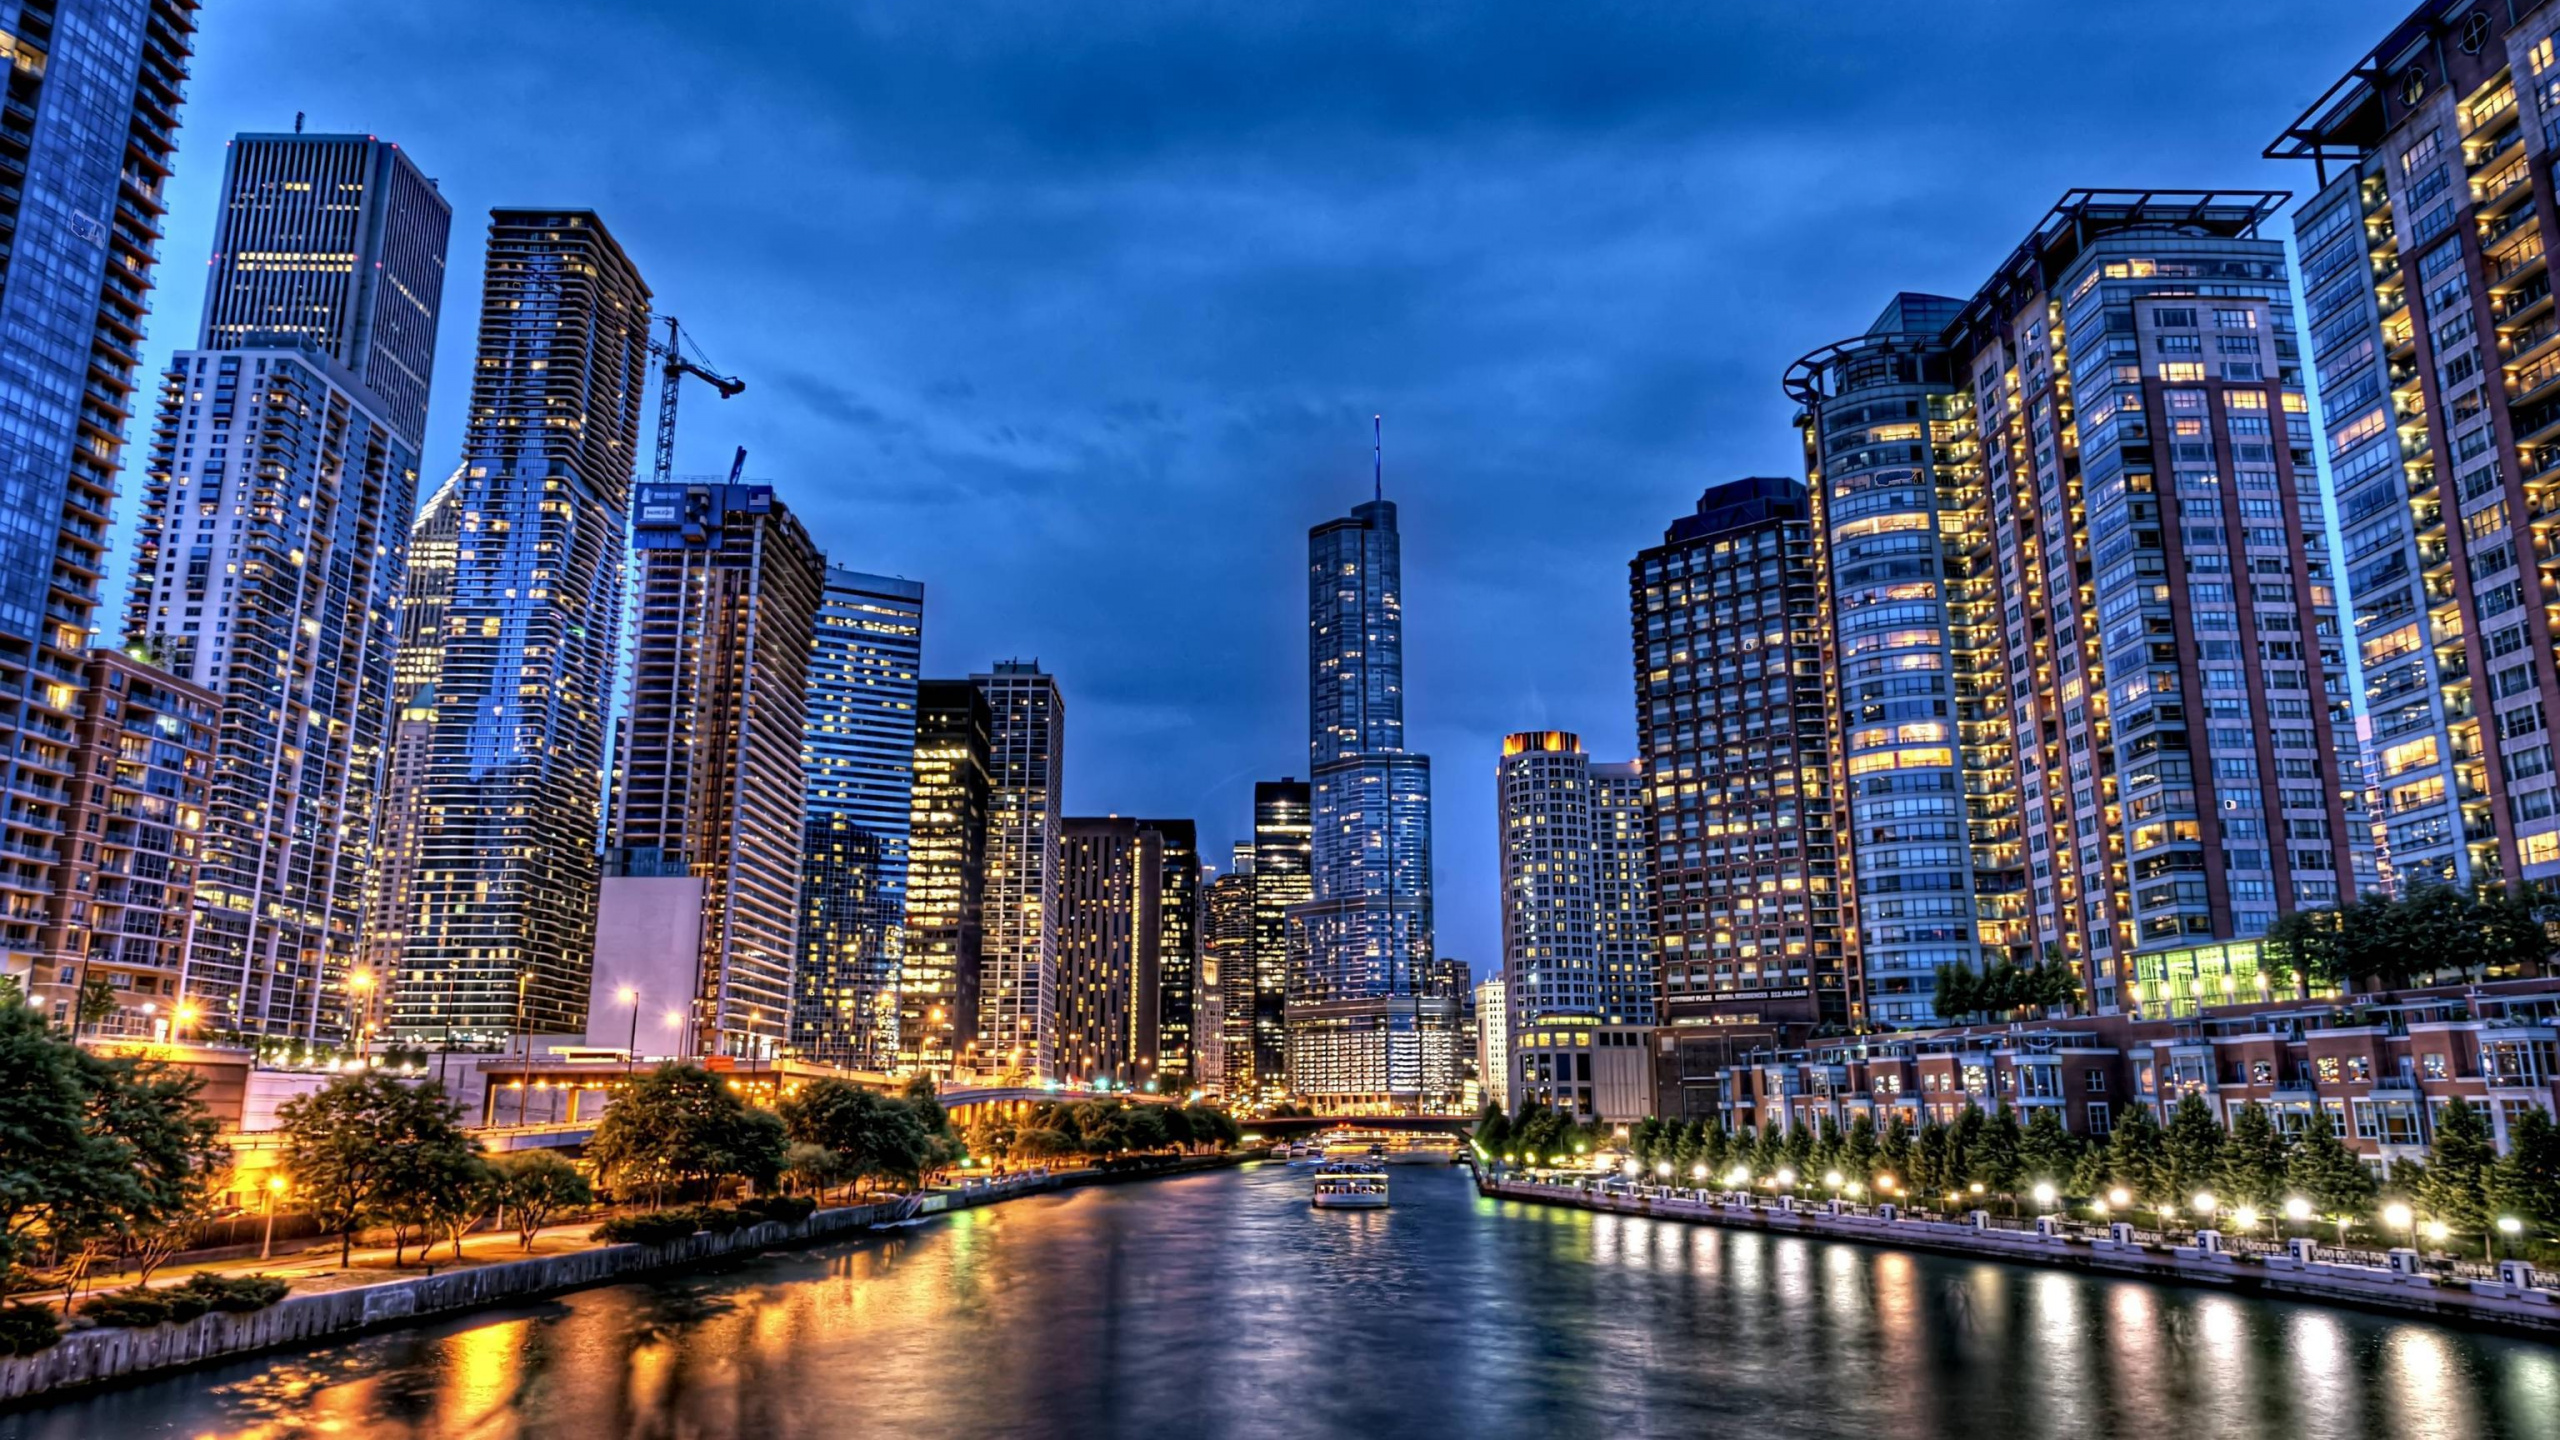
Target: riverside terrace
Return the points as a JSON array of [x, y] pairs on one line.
[[2381, 1065]]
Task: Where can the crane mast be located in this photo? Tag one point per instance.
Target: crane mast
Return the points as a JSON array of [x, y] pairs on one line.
[[671, 373]]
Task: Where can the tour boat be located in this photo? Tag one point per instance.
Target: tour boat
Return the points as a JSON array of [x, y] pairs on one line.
[[1351, 1187]]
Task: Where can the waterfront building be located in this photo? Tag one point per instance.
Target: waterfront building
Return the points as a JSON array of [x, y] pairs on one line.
[[2428, 305], [2381, 1068], [703, 852], [270, 555], [858, 749], [1227, 974], [1280, 884], [123, 904], [1576, 927], [1742, 894], [2135, 754], [1110, 962], [1493, 1037], [502, 908], [938, 980], [1026, 775], [1178, 959], [1583, 1071], [1360, 1028], [434, 537], [89, 125]]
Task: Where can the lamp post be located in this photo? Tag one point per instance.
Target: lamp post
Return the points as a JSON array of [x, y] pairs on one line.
[[360, 980], [275, 1190], [2397, 1216], [631, 1048]]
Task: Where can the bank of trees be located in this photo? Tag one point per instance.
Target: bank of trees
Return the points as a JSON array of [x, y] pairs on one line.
[[99, 1156], [2003, 990], [2192, 1171], [2427, 930], [374, 1151], [1102, 1130], [842, 1135]]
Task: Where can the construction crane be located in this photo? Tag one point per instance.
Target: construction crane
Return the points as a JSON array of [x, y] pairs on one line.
[[676, 367]]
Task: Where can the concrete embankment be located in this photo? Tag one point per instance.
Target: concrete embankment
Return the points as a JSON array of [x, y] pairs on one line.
[[2532, 1310], [84, 1359]]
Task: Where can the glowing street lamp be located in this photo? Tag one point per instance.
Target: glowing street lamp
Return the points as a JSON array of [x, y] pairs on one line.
[[2297, 1209], [2044, 1193], [2246, 1217], [2120, 1197], [1698, 1173], [275, 1192], [2396, 1216], [1786, 1177], [1831, 1179], [2204, 1203]]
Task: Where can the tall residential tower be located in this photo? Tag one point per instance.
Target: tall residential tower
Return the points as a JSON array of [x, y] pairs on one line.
[[271, 550], [859, 749], [88, 128], [703, 852], [1026, 771], [502, 908]]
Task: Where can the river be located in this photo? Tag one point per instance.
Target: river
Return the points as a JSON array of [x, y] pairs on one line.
[[1221, 1305]]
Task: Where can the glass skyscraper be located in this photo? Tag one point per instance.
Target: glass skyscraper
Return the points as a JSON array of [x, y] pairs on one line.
[[1026, 774], [503, 907], [859, 751], [270, 552], [92, 93], [1360, 946]]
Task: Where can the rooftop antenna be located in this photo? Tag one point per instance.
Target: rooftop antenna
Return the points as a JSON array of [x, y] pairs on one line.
[[1378, 454], [297, 122]]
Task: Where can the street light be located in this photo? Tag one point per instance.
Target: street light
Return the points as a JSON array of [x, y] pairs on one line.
[[275, 1191], [2396, 1216], [362, 981], [2044, 1193], [2119, 1197], [2297, 1209], [2246, 1217], [2510, 1227], [1831, 1179], [1785, 1177], [2204, 1202], [631, 1049]]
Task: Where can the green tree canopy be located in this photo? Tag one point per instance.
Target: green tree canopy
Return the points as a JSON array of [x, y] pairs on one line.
[[91, 1146], [2194, 1148], [2254, 1159], [2139, 1157], [537, 1187], [2460, 1165], [2321, 1169], [2526, 1184], [680, 1125], [356, 1149]]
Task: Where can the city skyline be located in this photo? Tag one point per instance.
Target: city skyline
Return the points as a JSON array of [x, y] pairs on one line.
[[1617, 387]]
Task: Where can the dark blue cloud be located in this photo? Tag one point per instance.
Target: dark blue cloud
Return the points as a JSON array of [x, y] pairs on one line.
[[1078, 312]]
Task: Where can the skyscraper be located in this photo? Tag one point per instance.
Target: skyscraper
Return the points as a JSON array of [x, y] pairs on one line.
[[502, 910], [124, 912], [1550, 926], [1743, 894], [946, 880], [271, 548], [1361, 1031], [1622, 891], [1576, 927], [2428, 294], [1110, 930], [1177, 1015], [859, 750], [1026, 770], [2111, 727], [434, 537], [1227, 970], [90, 121], [1280, 885], [703, 854]]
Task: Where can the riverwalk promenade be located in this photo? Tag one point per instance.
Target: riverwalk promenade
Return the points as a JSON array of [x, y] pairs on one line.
[[2514, 1298]]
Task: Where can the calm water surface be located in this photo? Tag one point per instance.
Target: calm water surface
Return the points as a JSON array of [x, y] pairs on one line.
[[1221, 1305]]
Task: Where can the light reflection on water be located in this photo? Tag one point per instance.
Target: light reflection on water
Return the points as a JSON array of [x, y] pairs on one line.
[[1223, 1306]]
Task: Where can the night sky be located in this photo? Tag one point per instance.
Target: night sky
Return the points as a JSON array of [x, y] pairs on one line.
[[1078, 312]]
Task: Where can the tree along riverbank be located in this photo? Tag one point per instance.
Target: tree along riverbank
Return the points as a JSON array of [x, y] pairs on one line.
[[89, 1359], [2526, 1308]]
